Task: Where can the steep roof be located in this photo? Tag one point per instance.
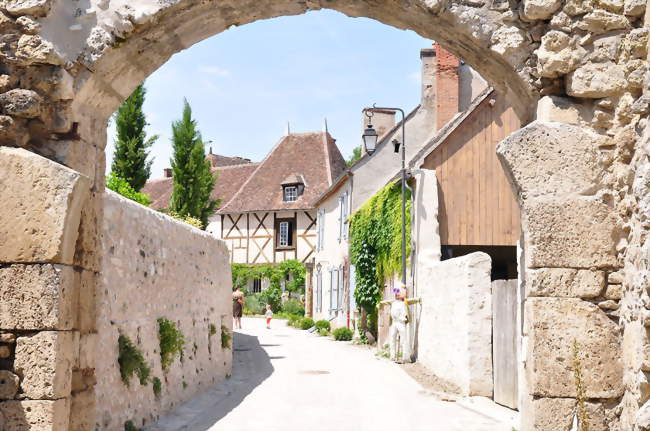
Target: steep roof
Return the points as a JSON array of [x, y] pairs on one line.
[[229, 181], [313, 157], [217, 161]]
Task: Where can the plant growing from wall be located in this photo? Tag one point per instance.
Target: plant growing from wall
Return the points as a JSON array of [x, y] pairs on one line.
[[376, 241], [186, 219], [225, 337], [130, 160], [128, 426], [131, 361], [581, 407], [157, 387], [171, 341], [122, 187], [193, 180]]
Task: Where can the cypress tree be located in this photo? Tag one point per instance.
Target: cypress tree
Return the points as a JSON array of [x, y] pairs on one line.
[[130, 160], [191, 175]]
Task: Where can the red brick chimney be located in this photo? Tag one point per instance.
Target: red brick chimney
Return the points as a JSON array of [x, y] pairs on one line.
[[447, 85]]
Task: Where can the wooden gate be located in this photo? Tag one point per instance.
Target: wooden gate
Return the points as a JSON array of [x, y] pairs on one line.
[[504, 342]]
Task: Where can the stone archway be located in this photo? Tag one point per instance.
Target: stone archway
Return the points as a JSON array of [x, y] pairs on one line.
[[581, 169]]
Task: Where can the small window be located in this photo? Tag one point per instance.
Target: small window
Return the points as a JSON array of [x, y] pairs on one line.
[[257, 285], [284, 230], [290, 193]]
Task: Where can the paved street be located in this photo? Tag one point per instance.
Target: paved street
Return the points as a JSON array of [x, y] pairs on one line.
[[289, 380]]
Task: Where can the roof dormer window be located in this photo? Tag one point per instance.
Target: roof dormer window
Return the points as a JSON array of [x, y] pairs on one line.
[[290, 193], [292, 188]]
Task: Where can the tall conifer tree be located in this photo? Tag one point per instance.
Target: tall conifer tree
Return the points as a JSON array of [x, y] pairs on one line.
[[131, 147], [191, 174]]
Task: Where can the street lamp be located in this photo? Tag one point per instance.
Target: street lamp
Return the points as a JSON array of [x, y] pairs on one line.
[[370, 142], [370, 137]]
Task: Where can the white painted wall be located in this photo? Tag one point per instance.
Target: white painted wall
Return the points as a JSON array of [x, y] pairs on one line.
[[333, 254], [455, 332]]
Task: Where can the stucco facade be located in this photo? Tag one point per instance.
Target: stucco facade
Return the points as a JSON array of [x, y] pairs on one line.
[[331, 282]]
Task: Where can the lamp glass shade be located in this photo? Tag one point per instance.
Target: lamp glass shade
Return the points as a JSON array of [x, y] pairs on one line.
[[370, 139]]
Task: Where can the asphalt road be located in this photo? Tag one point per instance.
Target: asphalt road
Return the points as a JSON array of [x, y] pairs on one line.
[[289, 380]]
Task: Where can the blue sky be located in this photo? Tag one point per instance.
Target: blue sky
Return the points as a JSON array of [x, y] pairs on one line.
[[245, 84]]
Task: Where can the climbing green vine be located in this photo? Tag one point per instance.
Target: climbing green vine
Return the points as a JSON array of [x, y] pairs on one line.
[[376, 241], [242, 274]]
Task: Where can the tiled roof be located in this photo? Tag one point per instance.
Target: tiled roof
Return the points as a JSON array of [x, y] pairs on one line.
[[218, 161], [312, 156], [229, 181]]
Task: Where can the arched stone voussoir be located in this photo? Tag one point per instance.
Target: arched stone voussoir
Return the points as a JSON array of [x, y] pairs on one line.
[[550, 159], [121, 42], [41, 208]]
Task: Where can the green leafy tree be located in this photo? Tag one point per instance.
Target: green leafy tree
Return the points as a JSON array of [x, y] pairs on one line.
[[122, 187], [356, 155], [131, 147], [192, 176]]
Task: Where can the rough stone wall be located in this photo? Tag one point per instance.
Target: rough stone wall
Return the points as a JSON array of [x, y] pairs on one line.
[[455, 329], [156, 267], [581, 172]]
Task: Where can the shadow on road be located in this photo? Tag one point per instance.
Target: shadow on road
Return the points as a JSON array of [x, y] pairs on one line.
[[250, 367]]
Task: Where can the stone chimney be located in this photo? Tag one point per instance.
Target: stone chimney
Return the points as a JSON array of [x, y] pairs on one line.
[[167, 173], [428, 58], [382, 120], [447, 85]]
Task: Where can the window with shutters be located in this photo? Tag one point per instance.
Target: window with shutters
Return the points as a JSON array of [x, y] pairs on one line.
[[339, 290], [346, 214], [319, 291], [341, 217], [290, 193], [320, 222]]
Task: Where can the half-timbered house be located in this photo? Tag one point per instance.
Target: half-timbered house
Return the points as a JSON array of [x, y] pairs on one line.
[[272, 217]]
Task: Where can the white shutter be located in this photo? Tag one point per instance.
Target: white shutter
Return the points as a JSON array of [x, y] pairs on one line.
[[346, 215], [340, 218], [332, 277], [339, 293]]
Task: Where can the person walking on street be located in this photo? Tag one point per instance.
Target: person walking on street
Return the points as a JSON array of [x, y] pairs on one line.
[[237, 307]]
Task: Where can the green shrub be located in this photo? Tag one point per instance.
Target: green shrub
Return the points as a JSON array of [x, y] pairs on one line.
[[323, 332], [293, 306], [322, 324], [157, 386], [186, 219], [213, 329], [171, 341], [253, 304], [128, 426], [293, 320], [122, 187], [342, 334], [225, 337], [273, 296], [306, 323], [131, 361]]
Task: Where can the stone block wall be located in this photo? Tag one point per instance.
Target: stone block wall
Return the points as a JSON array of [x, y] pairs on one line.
[[455, 330], [156, 267]]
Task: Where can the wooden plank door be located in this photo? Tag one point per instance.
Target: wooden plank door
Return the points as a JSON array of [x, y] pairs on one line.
[[504, 342]]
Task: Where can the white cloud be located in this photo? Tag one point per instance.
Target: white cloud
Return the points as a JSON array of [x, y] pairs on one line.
[[214, 70]]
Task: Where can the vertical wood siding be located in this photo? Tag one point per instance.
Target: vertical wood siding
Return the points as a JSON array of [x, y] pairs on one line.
[[477, 205]]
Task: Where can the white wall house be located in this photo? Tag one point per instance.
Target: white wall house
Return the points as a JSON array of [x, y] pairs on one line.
[[333, 280], [333, 297]]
